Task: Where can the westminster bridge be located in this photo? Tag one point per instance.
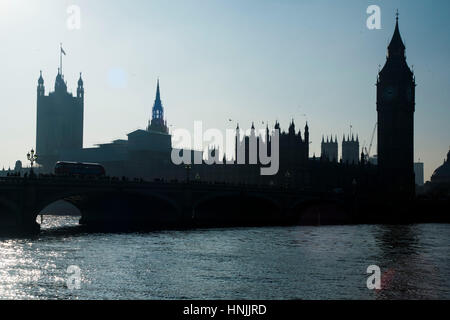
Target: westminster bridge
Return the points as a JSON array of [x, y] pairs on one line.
[[158, 204]]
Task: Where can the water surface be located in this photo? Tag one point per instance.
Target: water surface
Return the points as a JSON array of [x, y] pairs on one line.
[[242, 263]]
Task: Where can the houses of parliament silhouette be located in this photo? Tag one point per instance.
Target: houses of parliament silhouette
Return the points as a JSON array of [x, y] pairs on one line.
[[147, 153]]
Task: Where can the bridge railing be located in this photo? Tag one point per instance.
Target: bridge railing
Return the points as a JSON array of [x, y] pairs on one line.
[[115, 181]]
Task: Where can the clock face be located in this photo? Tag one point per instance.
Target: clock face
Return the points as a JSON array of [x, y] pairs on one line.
[[389, 93]]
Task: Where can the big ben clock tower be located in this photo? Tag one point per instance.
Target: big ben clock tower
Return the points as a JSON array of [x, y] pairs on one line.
[[395, 107]]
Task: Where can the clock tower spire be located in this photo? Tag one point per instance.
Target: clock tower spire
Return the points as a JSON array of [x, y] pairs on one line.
[[396, 107]]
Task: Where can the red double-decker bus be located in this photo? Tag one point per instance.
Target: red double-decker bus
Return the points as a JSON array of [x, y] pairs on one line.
[[64, 168]]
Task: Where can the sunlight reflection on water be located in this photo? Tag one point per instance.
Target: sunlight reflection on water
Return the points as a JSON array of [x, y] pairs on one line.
[[247, 263]]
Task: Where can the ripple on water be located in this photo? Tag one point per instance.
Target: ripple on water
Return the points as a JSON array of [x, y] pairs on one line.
[[240, 263]]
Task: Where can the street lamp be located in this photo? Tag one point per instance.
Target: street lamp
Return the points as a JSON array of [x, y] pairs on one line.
[[32, 157]]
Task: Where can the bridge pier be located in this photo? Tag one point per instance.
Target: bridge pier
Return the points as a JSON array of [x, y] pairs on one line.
[[18, 210], [18, 223], [28, 225], [28, 209]]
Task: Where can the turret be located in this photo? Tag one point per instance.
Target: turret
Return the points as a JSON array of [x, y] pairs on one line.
[[157, 123], [307, 133], [292, 128], [40, 87], [277, 125], [60, 84], [80, 89], [306, 140]]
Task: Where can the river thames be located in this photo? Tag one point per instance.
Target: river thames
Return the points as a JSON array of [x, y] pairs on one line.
[[327, 262]]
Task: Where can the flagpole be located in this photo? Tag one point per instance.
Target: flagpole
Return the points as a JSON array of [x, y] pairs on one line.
[[60, 58]]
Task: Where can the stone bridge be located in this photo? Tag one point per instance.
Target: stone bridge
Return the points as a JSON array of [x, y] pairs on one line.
[[153, 205]]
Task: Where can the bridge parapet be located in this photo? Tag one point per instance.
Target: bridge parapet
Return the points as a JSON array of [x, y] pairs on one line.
[[178, 204]]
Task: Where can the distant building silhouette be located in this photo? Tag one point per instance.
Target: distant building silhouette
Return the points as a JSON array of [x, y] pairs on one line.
[[373, 160], [329, 149], [59, 125], [144, 154], [19, 170], [439, 185], [350, 150], [419, 173], [442, 174], [148, 153], [18, 167], [293, 156], [294, 149], [158, 124], [395, 106]]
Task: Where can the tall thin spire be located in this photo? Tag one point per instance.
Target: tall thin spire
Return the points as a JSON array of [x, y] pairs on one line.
[[41, 79], [396, 46], [158, 123], [158, 94], [40, 87], [158, 111]]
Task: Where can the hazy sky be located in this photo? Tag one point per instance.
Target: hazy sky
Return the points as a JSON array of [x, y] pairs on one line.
[[248, 60]]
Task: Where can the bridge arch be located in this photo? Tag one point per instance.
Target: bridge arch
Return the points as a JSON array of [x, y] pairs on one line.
[[115, 208], [52, 198]]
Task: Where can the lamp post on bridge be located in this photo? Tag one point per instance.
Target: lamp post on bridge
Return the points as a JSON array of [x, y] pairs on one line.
[[32, 157]]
